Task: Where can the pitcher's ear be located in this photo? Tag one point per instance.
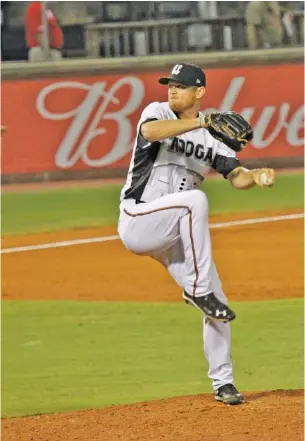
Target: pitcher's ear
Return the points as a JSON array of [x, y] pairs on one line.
[[200, 92]]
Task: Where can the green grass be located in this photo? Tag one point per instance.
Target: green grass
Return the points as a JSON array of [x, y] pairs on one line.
[[60, 356], [86, 207]]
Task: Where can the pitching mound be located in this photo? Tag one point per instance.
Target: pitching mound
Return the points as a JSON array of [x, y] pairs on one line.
[[265, 416]]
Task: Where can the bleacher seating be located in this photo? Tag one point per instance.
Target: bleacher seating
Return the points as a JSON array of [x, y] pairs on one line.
[[73, 18]]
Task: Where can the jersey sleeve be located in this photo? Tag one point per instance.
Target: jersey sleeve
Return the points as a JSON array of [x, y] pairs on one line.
[[225, 160], [152, 112]]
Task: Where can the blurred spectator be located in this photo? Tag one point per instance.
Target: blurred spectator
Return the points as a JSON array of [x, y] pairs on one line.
[[293, 21], [288, 26], [264, 25], [34, 34]]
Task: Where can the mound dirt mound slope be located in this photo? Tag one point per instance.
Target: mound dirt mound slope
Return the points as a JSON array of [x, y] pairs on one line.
[[264, 416]]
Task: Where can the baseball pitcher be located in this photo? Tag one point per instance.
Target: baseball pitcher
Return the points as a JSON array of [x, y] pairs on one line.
[[164, 214]]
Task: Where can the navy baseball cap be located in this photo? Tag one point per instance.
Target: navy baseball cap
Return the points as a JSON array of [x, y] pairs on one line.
[[187, 74]]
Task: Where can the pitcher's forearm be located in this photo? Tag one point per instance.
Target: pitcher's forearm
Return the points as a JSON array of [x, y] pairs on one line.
[[241, 178]]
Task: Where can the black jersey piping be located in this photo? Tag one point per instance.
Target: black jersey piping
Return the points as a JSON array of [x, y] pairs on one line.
[[144, 159]]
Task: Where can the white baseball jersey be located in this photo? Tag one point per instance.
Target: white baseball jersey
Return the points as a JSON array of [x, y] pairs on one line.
[[174, 164]]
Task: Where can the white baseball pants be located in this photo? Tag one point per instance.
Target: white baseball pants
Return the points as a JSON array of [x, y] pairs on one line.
[[174, 230]]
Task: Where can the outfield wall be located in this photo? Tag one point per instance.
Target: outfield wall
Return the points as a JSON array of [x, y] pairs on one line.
[[77, 118]]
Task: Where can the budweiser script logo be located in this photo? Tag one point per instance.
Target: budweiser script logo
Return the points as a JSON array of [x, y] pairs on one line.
[[74, 146]]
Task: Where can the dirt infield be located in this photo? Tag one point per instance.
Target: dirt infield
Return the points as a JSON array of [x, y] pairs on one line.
[[255, 262], [261, 262]]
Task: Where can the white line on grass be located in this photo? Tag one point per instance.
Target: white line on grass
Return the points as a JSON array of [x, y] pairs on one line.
[[68, 243], [260, 220], [65, 243], [31, 343]]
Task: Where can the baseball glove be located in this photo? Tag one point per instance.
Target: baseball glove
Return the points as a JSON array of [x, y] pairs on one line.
[[230, 128]]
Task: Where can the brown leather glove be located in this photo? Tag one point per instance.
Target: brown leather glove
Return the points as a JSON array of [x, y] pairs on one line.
[[231, 128]]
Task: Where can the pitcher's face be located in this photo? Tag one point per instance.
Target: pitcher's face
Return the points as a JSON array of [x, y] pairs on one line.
[[181, 97]]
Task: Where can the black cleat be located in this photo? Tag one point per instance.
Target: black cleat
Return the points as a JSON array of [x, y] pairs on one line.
[[211, 306], [228, 394]]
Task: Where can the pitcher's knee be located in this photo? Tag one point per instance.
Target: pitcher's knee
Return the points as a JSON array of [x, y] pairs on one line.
[[198, 200]]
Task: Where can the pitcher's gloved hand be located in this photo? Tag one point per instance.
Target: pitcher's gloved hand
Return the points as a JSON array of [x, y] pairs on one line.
[[264, 177], [231, 128]]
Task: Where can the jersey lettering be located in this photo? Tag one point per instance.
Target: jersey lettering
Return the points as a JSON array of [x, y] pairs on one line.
[[199, 151], [209, 158], [181, 146], [188, 149]]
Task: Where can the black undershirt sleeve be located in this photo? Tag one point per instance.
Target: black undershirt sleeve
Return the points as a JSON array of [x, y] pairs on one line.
[[224, 164]]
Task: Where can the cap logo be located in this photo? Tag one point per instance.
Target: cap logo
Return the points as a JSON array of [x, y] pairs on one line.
[[198, 81], [176, 70]]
